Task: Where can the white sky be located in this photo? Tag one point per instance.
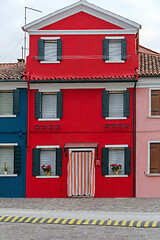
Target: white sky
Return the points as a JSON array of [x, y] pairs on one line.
[[144, 12]]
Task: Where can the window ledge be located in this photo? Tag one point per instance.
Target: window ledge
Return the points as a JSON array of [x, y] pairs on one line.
[[152, 174], [47, 176], [7, 116], [48, 119], [49, 62], [115, 118], [116, 175], [153, 117], [118, 61], [8, 175]]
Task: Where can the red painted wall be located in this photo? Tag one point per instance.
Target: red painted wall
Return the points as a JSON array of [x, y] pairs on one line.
[[82, 122]]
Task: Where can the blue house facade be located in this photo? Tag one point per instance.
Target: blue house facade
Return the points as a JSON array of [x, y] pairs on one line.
[[13, 131]]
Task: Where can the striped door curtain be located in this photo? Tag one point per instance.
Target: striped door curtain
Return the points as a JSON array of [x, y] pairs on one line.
[[81, 174]]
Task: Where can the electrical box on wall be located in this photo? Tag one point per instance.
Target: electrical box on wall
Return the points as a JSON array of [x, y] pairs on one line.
[[98, 163]]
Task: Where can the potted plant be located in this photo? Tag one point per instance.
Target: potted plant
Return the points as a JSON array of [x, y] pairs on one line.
[[47, 169], [116, 168], [5, 168]]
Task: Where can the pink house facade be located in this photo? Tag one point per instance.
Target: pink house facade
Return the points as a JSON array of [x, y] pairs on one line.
[[148, 125]]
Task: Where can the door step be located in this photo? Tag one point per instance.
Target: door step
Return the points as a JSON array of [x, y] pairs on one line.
[[81, 196]]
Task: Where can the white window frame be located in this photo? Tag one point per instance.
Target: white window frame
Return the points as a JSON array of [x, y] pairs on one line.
[[8, 145], [50, 38], [7, 115], [148, 170], [49, 119], [116, 146], [46, 147], [114, 38], [116, 118], [150, 91]]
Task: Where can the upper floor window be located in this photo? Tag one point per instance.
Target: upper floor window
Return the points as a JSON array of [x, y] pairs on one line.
[[48, 105], [114, 49], [9, 103], [154, 158], [50, 50], [115, 104], [155, 102]]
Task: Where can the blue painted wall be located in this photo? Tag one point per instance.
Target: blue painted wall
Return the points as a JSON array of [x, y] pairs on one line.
[[14, 130]]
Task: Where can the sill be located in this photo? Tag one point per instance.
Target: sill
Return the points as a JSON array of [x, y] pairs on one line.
[[48, 119], [154, 116], [49, 62], [152, 174], [116, 175], [47, 176], [118, 61], [8, 175], [115, 118], [8, 116]]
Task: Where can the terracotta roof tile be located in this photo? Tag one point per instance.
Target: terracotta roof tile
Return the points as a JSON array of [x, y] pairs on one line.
[[149, 64], [12, 70]]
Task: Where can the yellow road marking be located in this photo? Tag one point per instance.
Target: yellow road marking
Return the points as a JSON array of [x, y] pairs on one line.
[[123, 223], [79, 221], [139, 224], [116, 223], [64, 221], [146, 224], [70, 222], [86, 222], [35, 220], [57, 221], [109, 222], [154, 224], [20, 220], [94, 221], [42, 220], [50, 220], [6, 220], [131, 223], [101, 222], [28, 219], [1, 218]]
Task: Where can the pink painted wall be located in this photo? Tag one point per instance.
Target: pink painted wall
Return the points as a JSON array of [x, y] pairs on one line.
[[146, 130]]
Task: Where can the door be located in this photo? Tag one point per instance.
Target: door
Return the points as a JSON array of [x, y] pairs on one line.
[[81, 173]]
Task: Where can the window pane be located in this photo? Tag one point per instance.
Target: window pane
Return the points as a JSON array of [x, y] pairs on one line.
[[6, 103], [116, 157], [49, 106], [155, 158], [114, 50], [50, 51], [116, 105], [48, 157], [7, 155], [155, 102]]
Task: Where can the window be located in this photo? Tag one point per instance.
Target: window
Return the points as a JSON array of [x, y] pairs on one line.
[[118, 156], [9, 103], [48, 106], [10, 156], [116, 104], [47, 156], [154, 158], [50, 50], [155, 102], [114, 49]]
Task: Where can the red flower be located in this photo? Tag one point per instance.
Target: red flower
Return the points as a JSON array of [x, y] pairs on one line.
[[48, 167], [43, 166]]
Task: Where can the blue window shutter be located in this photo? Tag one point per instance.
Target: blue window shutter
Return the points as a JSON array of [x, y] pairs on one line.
[[127, 160], [126, 102], [16, 103], [36, 162], [59, 49], [105, 161], [38, 104], [105, 49], [59, 161], [60, 105], [105, 104], [123, 49], [40, 50], [17, 160]]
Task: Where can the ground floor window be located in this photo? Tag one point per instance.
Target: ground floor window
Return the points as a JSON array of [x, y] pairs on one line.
[[154, 158]]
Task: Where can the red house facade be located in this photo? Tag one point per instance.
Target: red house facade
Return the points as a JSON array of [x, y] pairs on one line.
[[81, 73]]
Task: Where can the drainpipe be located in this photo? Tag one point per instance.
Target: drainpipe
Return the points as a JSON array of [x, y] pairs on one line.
[[134, 136]]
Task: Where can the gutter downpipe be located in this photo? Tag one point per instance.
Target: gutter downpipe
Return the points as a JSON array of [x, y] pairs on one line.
[[134, 136]]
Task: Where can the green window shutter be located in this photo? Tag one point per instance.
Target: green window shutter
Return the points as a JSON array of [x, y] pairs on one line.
[[36, 162], [105, 49], [59, 161], [123, 49], [17, 159], [16, 102], [40, 50], [60, 105], [105, 160], [105, 104], [126, 101], [38, 104], [59, 49], [128, 160]]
